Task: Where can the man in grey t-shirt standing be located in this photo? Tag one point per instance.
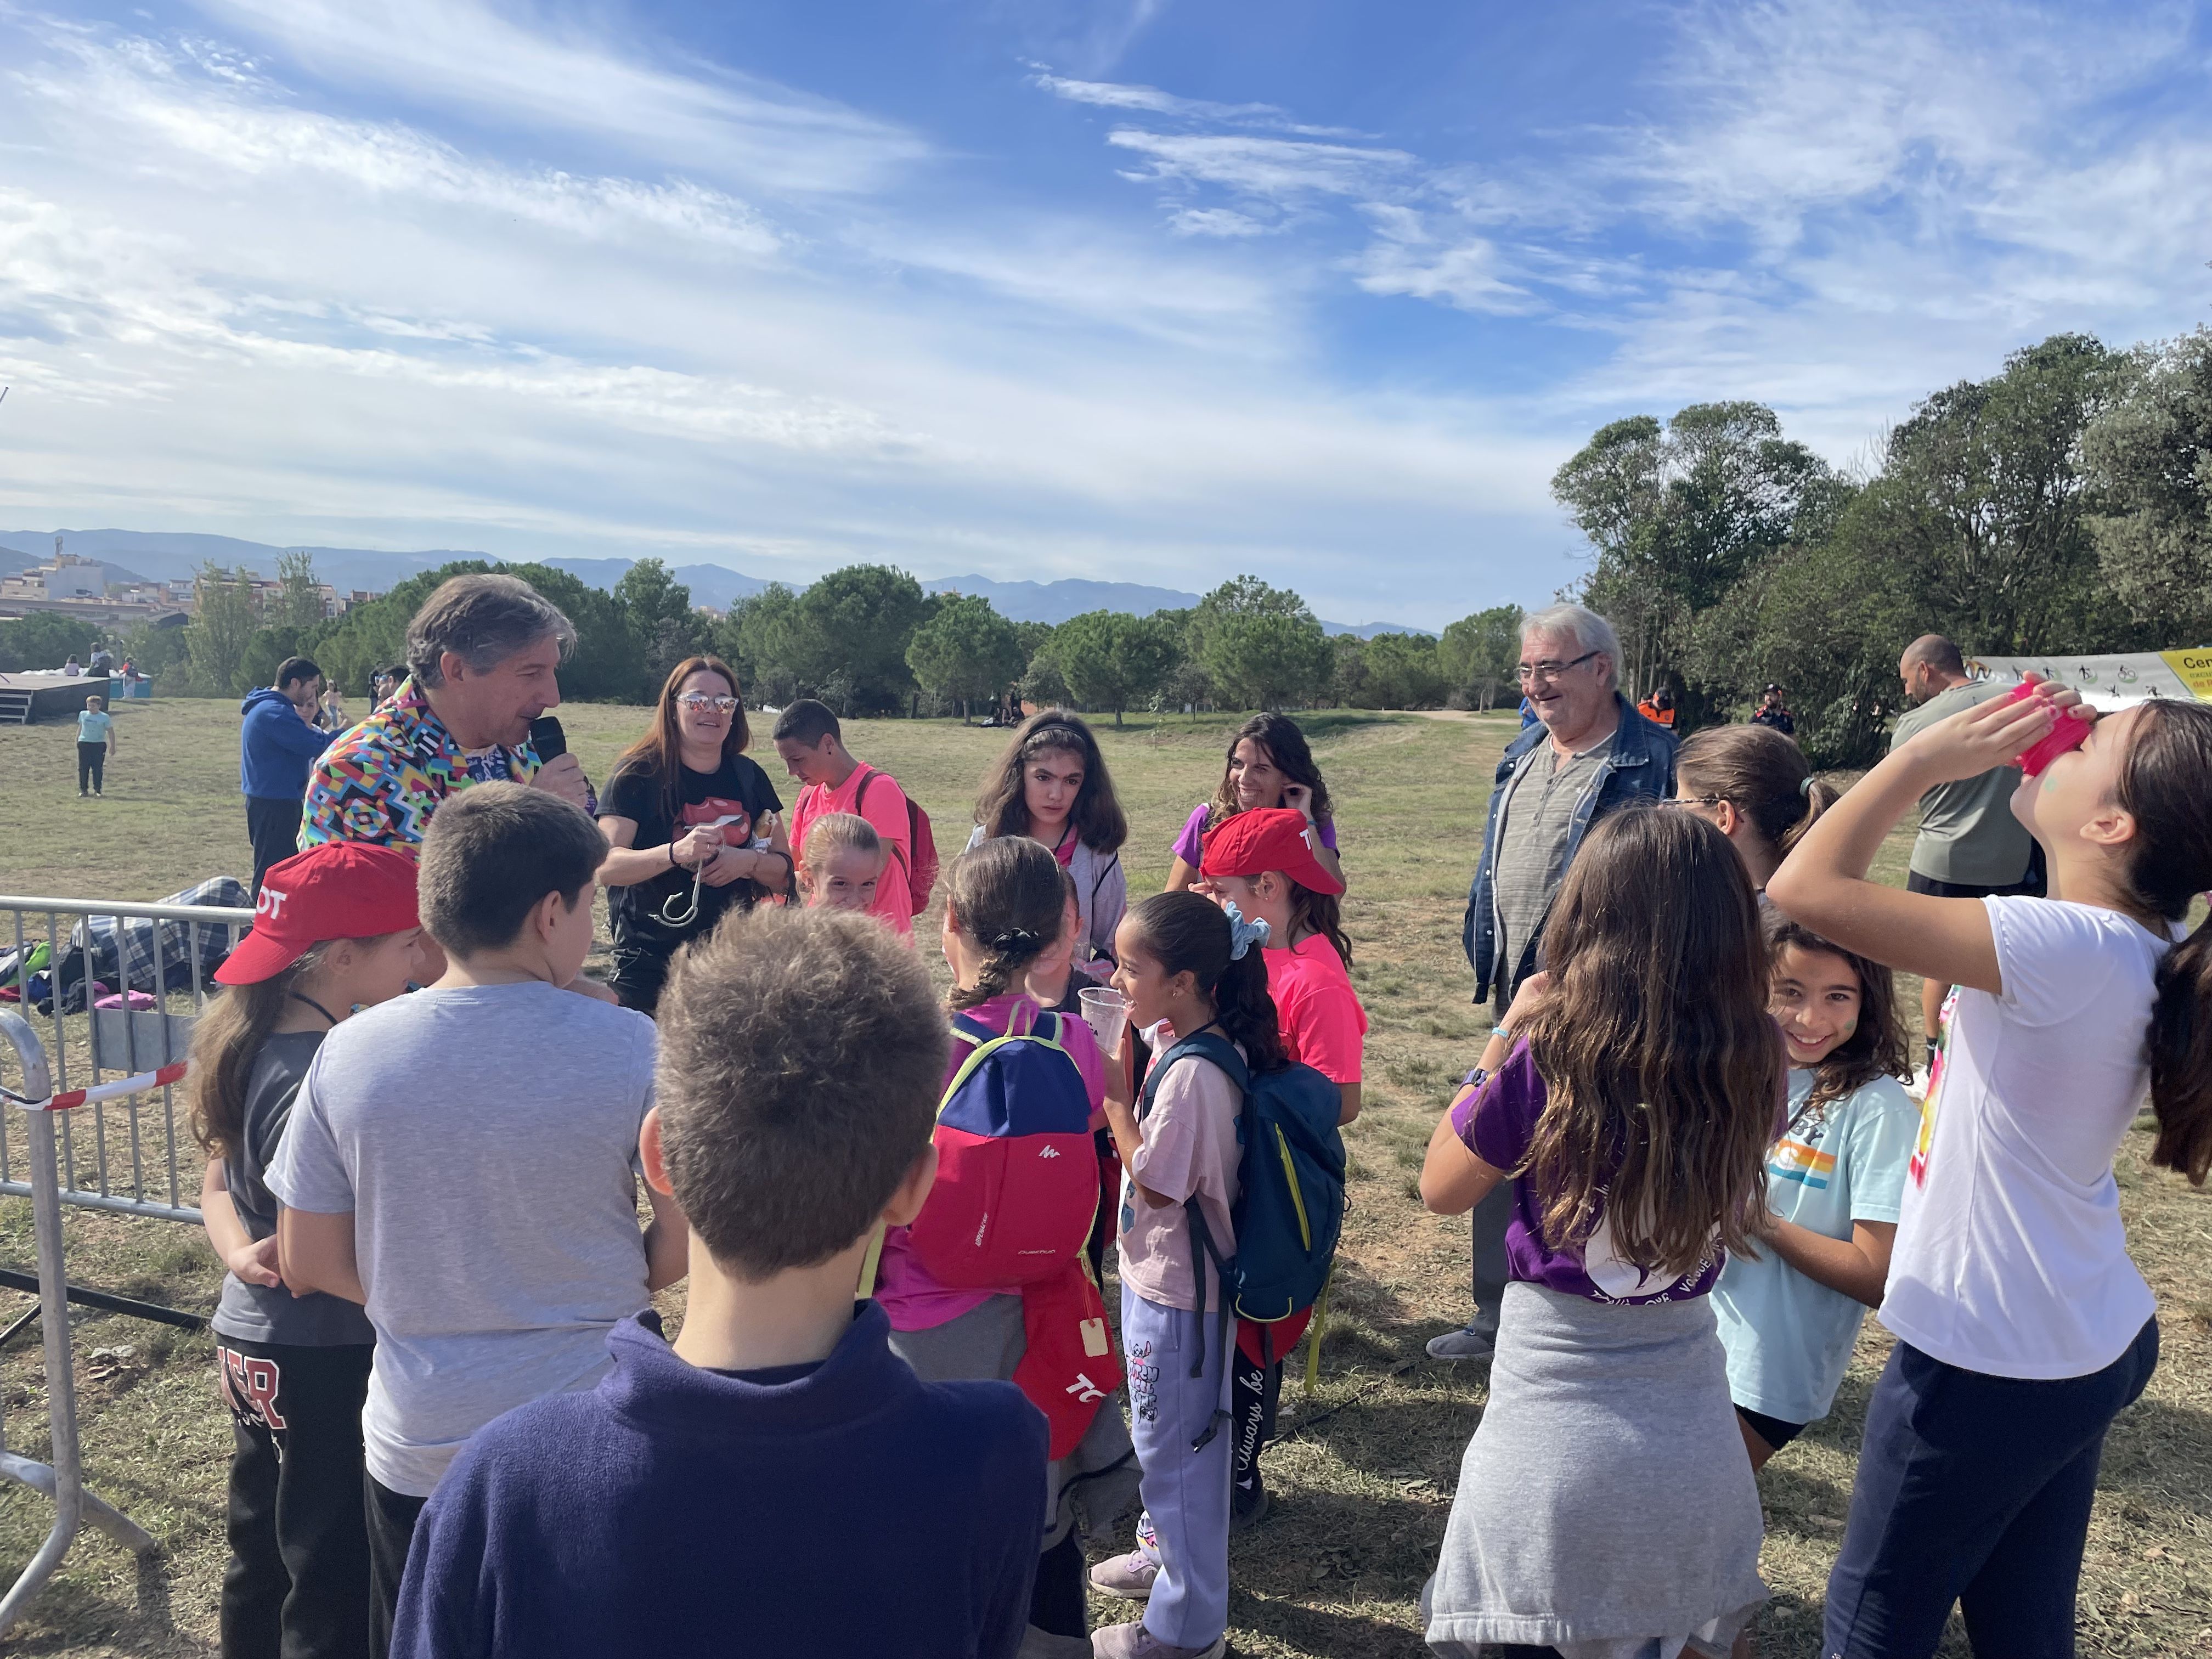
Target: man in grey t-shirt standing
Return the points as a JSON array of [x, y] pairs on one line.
[[1970, 845]]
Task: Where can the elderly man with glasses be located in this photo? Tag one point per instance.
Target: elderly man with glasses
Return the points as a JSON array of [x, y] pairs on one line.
[[1590, 752]]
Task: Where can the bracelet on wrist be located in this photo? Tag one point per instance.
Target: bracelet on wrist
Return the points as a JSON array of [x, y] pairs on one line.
[[1500, 1031]]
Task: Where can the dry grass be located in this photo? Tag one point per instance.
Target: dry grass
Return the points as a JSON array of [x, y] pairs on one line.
[[1362, 1490]]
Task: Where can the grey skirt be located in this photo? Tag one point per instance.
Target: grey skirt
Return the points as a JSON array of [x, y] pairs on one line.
[[1089, 1489], [1606, 1505]]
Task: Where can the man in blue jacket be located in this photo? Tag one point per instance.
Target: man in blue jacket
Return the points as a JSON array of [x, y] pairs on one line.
[[278, 742], [1590, 752]]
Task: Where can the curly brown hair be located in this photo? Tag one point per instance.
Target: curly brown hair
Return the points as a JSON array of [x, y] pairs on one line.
[[1877, 1047], [1663, 1069]]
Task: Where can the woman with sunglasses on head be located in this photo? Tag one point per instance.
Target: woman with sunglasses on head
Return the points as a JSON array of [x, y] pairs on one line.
[[694, 829]]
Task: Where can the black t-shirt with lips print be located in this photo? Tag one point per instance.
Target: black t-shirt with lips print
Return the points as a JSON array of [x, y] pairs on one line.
[[735, 796]]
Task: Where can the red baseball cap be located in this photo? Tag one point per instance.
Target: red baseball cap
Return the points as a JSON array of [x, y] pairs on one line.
[[1267, 838], [340, 890]]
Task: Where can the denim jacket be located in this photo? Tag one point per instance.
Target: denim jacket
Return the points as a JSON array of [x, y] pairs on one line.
[[1640, 763]]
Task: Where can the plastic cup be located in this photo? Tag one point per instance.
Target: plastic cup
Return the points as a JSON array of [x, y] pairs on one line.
[[2066, 732], [1105, 1011]]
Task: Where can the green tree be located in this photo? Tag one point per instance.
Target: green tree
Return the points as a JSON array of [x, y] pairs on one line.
[[659, 613], [1478, 655], [1348, 686], [44, 639], [1402, 672], [603, 667], [760, 638], [1111, 660], [1041, 683], [1993, 504], [2150, 452], [1260, 645], [222, 626], [966, 652], [1826, 620], [265, 653], [859, 621], [299, 596], [1677, 514]]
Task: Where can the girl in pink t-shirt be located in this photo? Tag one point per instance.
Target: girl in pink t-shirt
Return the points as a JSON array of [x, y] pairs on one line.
[[1263, 865]]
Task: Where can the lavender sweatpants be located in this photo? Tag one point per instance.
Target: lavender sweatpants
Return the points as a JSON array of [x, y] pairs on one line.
[[1186, 1493]]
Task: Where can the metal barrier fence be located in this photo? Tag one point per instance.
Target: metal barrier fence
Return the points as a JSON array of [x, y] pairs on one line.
[[63, 1479], [156, 959]]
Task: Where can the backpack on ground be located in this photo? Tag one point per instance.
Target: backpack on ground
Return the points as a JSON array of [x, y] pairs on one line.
[[921, 869], [1017, 1171], [1290, 1199]]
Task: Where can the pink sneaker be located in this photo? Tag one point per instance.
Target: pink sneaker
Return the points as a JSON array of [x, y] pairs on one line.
[[1129, 1576], [1135, 1641]]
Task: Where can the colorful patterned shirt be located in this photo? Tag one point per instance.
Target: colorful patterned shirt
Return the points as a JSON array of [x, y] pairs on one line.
[[381, 782]]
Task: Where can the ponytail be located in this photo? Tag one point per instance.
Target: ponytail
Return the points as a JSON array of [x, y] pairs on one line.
[[1762, 774], [1189, 934], [1819, 798], [2162, 783], [1006, 897], [2181, 1057], [226, 1042]]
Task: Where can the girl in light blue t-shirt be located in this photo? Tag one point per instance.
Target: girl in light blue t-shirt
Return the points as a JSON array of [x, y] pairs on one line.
[[1834, 1178]]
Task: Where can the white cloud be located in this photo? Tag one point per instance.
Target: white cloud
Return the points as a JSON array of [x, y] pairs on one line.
[[1217, 222], [229, 120], [1112, 94], [1279, 169], [1405, 258], [537, 73]]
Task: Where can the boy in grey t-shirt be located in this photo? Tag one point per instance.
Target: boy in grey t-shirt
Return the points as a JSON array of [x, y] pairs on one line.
[[461, 1160]]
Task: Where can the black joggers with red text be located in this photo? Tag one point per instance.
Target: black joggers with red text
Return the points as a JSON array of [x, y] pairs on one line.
[[297, 1584]]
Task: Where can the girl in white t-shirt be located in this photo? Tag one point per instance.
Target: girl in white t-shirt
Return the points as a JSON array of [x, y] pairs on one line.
[[2023, 1326]]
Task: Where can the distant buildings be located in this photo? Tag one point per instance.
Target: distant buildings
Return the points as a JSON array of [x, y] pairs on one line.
[[74, 585]]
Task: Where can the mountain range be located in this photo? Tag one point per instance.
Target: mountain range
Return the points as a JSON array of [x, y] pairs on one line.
[[164, 556]]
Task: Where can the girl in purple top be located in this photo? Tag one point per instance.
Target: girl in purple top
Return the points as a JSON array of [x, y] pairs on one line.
[[1604, 1508], [1269, 765]]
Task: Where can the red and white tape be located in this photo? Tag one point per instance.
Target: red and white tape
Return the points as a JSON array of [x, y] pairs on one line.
[[122, 1085]]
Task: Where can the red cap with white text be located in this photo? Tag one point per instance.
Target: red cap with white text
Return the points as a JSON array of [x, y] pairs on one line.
[[341, 890], [1267, 838]]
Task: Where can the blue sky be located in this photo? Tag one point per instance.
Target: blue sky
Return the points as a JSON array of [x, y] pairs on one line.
[[1147, 289]]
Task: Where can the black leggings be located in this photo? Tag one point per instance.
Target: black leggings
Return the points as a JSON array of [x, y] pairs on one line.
[[91, 763]]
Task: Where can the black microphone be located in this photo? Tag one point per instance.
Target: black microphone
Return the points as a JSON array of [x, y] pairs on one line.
[[548, 739]]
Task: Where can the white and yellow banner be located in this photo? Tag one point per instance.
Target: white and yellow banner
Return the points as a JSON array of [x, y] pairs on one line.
[[2113, 681]]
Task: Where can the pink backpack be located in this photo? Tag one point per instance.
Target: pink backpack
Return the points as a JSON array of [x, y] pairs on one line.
[[1017, 1170]]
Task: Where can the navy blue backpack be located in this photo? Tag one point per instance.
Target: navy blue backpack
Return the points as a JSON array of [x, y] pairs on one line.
[[1290, 1201]]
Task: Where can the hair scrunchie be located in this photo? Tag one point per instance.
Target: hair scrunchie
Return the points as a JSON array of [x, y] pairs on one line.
[[1244, 934], [1806, 787], [1015, 939]]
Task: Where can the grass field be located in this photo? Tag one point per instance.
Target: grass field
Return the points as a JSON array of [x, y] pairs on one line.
[[1366, 1469]]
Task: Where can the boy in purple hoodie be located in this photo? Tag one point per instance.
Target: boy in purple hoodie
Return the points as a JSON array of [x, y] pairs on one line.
[[776, 1479]]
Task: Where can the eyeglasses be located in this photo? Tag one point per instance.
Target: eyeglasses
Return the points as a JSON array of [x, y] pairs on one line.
[[1692, 800], [1552, 671], [699, 704]]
